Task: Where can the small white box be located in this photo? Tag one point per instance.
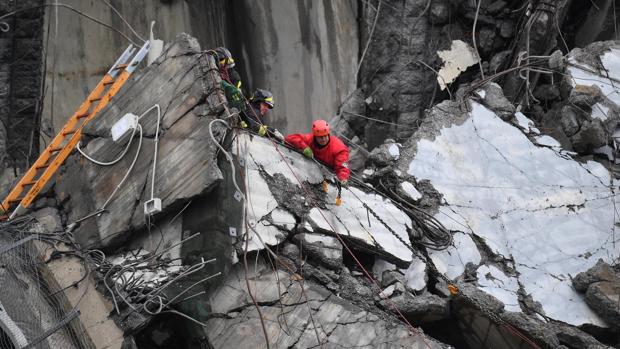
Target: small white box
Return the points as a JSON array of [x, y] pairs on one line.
[[152, 206], [127, 123]]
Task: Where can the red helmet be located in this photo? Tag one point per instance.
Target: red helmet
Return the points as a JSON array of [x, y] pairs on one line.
[[320, 128]]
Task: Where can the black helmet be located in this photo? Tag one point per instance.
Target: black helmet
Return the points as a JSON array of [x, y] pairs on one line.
[[224, 57], [261, 95]]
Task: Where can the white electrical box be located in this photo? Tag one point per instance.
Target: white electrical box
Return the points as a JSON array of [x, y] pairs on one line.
[[126, 124], [152, 206]]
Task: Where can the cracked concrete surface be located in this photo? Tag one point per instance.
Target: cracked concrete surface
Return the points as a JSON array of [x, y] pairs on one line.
[[184, 101], [296, 319], [549, 214]]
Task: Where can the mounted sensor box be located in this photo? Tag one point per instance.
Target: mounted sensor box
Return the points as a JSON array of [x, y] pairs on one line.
[[124, 126], [152, 206]]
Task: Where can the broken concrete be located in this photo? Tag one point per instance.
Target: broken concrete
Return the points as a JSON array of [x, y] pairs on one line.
[[385, 154], [493, 98], [280, 200], [601, 285], [420, 309], [299, 314], [456, 60], [488, 195], [590, 136], [179, 82], [324, 249]]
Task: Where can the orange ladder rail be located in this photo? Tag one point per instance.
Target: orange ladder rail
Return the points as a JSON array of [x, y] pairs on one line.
[[65, 141]]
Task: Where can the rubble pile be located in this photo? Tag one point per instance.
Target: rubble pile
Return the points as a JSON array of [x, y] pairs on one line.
[[481, 209]]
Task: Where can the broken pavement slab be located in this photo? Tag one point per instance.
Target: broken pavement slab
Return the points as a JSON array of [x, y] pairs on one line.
[[535, 212], [272, 178]]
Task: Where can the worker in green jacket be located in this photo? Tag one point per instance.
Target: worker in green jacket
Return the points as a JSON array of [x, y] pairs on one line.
[[231, 81]]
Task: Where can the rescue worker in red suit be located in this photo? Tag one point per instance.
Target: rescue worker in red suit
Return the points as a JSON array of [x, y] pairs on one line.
[[319, 144]]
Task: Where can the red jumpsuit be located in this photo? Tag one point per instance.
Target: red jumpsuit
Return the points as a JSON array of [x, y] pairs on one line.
[[335, 153]]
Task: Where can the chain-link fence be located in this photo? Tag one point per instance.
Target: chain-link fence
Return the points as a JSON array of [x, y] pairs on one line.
[[34, 311]]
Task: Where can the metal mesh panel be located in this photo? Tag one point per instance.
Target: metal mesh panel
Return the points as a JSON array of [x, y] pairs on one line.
[[6, 342], [34, 312]]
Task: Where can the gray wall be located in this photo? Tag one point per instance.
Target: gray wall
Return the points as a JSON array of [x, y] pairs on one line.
[[80, 51], [305, 52], [20, 84]]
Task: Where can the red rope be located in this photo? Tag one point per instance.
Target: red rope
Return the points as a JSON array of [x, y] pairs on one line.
[[516, 332]]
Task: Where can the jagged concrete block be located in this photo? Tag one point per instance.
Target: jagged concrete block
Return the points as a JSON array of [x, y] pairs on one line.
[[390, 277], [602, 297], [574, 336], [601, 285], [385, 154], [585, 96], [182, 83], [569, 120], [283, 305], [591, 135], [600, 272], [495, 100], [424, 308], [325, 249]]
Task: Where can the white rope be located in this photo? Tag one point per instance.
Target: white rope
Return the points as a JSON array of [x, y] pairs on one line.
[[128, 171], [102, 163], [228, 156], [156, 106]]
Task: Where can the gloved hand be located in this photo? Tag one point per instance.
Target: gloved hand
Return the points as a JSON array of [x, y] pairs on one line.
[[262, 130], [237, 96], [343, 182], [234, 96], [243, 124], [308, 152], [278, 135]]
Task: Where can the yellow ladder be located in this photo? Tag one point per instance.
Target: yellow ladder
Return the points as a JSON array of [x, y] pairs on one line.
[[65, 141]]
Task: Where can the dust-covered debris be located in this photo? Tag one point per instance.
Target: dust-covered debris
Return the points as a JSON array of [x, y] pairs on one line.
[[456, 60]]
